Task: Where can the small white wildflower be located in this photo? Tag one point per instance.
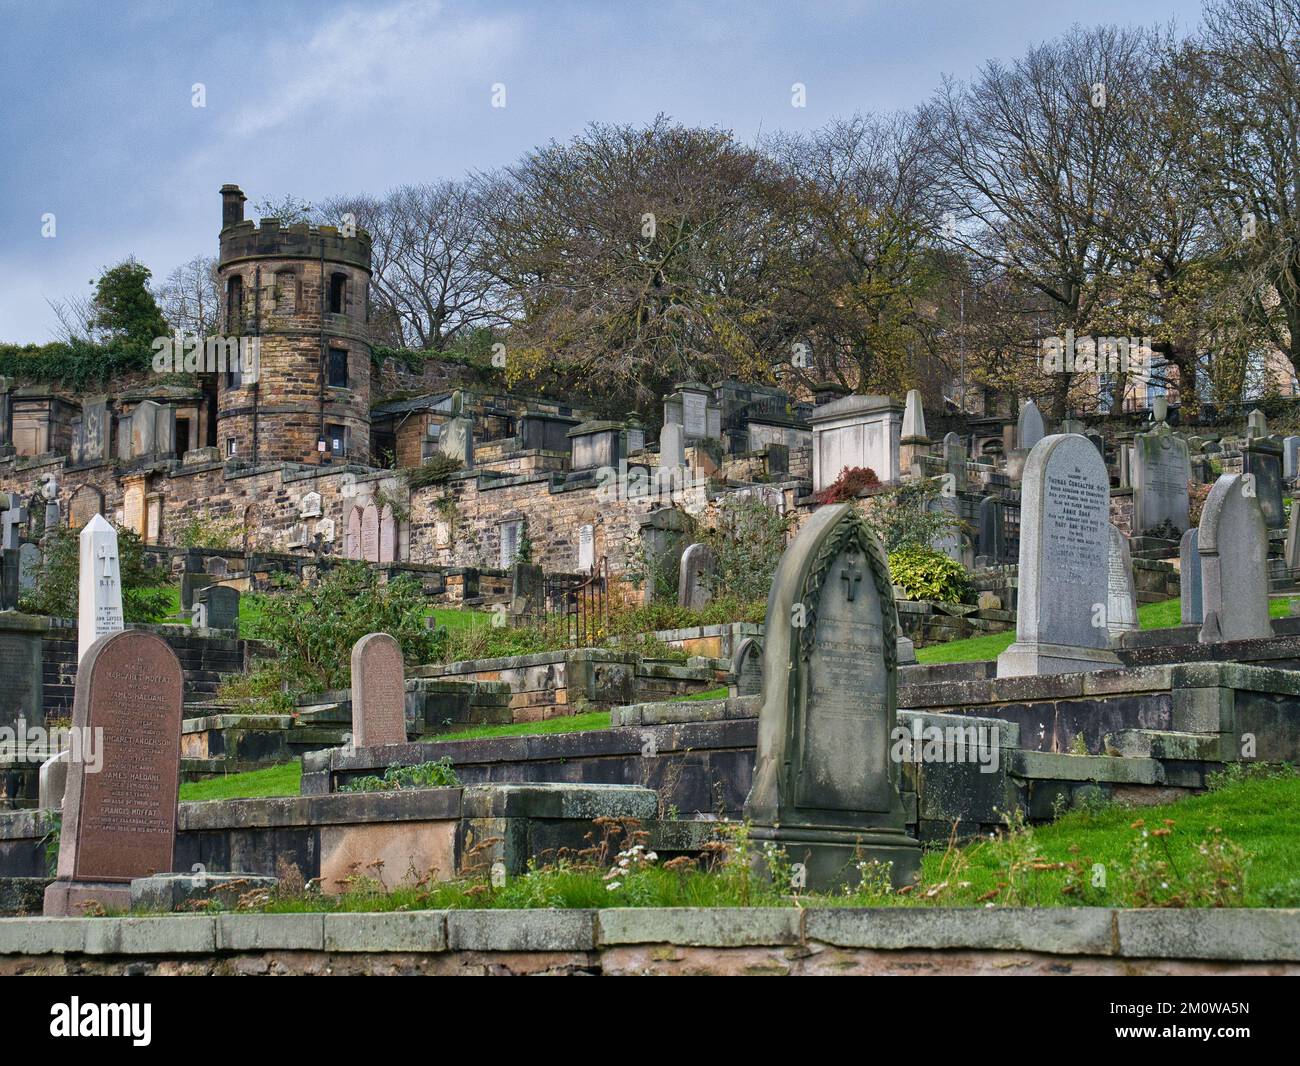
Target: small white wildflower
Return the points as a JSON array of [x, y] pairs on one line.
[[613, 885]]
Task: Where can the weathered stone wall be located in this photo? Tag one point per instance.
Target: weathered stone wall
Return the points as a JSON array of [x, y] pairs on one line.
[[1003, 941]]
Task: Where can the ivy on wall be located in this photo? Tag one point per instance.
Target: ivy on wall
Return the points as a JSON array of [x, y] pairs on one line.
[[76, 364]]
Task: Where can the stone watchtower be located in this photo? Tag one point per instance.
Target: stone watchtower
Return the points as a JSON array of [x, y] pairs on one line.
[[303, 292]]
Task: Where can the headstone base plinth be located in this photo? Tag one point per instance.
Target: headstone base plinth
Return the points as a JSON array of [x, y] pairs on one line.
[[830, 856], [1026, 658], [906, 651], [69, 899]]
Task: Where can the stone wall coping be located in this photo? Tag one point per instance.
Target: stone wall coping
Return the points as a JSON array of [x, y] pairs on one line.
[[542, 800], [538, 746], [741, 629], [1225, 935], [517, 662], [1127, 680]]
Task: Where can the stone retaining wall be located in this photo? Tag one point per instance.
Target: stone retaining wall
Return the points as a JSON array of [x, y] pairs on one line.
[[642, 941]]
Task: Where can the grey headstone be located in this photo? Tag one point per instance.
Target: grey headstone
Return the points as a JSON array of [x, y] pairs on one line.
[[1290, 455], [825, 786], [1189, 579], [992, 537], [96, 430], [954, 459], [20, 669], [1064, 562], [1262, 459], [52, 781], [144, 429], [1121, 597], [1161, 470], [222, 603], [29, 566], [747, 666], [528, 589], [456, 438], [695, 577], [1233, 544], [1029, 427]]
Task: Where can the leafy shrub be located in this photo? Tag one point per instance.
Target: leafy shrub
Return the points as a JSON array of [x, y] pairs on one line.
[[437, 774], [76, 364], [216, 533], [852, 480], [747, 543], [433, 471], [925, 574], [903, 517], [143, 597], [313, 628]]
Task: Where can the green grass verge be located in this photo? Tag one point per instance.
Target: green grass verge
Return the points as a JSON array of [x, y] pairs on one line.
[[1160, 615], [710, 694], [282, 780], [576, 723], [1023, 868], [1254, 812]]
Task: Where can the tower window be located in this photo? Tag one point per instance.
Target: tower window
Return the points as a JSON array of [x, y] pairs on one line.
[[337, 438], [235, 304], [338, 292], [230, 446], [338, 368]]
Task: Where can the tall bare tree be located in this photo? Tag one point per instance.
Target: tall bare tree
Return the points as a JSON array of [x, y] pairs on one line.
[[636, 255], [190, 296], [1028, 151], [862, 287], [427, 257], [1247, 145]]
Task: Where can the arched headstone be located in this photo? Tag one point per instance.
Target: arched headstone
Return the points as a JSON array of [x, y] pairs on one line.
[[1064, 562], [352, 541], [370, 533], [1233, 544], [825, 784], [387, 535]]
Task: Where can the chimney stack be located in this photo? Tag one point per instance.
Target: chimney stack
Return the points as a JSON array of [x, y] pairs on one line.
[[232, 205]]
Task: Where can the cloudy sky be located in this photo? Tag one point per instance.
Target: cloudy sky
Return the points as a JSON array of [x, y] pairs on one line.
[[321, 97]]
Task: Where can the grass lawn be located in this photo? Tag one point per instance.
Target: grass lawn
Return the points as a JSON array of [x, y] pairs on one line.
[[710, 694], [1160, 615], [1255, 813], [577, 723], [282, 780], [1025, 868], [252, 603]]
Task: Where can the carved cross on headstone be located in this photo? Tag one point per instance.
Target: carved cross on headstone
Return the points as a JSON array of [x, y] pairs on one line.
[[109, 556], [14, 517], [850, 575]]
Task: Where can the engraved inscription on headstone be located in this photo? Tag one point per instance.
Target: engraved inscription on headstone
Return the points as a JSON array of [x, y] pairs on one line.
[[1064, 545], [824, 786], [119, 811], [378, 692], [99, 584]]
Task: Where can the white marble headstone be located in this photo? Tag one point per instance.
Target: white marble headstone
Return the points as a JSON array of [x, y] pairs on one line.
[[99, 588]]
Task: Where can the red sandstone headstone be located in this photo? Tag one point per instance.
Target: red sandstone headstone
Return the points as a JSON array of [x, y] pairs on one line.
[[119, 810], [352, 545], [370, 534], [378, 692], [387, 535]]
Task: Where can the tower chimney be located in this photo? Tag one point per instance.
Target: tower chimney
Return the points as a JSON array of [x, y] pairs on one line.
[[232, 205]]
